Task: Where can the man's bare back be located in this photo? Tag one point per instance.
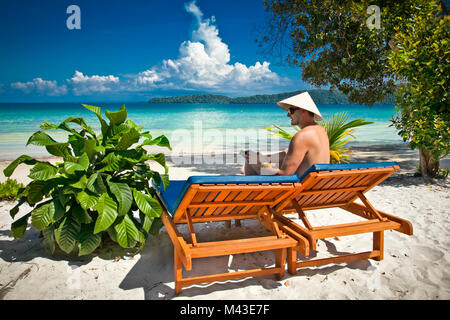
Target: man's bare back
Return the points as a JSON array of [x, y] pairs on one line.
[[308, 146]]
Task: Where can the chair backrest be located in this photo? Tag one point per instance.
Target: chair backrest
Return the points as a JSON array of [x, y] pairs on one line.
[[335, 185], [205, 202]]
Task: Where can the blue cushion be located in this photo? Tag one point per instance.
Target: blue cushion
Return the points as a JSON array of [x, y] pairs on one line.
[[176, 190], [346, 166]]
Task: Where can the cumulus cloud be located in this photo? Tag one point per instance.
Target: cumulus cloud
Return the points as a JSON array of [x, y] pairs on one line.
[[43, 87], [204, 63], [85, 85]]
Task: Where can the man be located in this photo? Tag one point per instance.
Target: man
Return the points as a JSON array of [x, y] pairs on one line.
[[310, 145]]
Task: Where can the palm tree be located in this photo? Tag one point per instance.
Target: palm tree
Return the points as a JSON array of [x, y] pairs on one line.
[[339, 134]]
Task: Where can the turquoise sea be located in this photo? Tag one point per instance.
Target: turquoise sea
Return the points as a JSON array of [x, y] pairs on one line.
[[191, 127]]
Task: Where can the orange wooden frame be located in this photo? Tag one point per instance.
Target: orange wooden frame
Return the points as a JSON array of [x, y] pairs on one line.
[[267, 203], [327, 189], [204, 203]]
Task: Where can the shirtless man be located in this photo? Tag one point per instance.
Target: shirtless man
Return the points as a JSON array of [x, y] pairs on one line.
[[309, 146]]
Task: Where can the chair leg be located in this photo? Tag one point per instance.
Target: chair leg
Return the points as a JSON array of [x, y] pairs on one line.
[[237, 222], [178, 272], [228, 224], [292, 260], [378, 244], [280, 262]]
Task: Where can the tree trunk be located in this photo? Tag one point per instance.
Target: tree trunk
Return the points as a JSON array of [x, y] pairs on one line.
[[429, 167]]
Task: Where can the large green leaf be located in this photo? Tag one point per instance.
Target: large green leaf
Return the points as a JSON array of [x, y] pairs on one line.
[[67, 233], [49, 238], [127, 233], [19, 226], [88, 241], [161, 141], [59, 150], [15, 209], [146, 221], [8, 171], [160, 158], [96, 184], [43, 171], [40, 138], [81, 165], [107, 213], [42, 215], [80, 214], [147, 204], [128, 139], [117, 117], [111, 162], [87, 200], [98, 112], [123, 194], [35, 191]]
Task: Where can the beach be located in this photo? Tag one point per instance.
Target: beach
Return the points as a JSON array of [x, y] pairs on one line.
[[414, 267]]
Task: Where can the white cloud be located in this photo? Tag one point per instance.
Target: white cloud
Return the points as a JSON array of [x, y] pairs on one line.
[[44, 87], [204, 64], [85, 85]]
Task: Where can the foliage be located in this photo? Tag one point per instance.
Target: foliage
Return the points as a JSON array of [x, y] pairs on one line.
[[333, 45], [339, 131], [421, 62], [102, 180], [10, 189]]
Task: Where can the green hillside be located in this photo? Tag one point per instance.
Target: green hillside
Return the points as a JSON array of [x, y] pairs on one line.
[[320, 96]]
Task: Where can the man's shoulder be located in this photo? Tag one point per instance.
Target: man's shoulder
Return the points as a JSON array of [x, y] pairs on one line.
[[308, 131]]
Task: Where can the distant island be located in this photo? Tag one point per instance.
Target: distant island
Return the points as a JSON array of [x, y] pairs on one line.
[[320, 96]]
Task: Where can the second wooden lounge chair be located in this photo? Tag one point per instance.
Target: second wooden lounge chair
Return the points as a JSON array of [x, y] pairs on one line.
[[338, 186], [223, 198]]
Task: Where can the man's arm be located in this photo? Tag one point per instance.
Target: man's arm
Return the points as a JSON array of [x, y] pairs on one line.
[[295, 154]]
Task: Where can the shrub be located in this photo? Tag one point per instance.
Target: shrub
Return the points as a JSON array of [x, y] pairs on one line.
[[10, 189], [102, 187]]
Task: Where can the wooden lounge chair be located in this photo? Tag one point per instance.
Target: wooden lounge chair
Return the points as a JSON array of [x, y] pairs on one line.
[[223, 198], [338, 185]]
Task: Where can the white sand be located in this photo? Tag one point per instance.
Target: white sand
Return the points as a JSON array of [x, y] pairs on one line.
[[414, 267]]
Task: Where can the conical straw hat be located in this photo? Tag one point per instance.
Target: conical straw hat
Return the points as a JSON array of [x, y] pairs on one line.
[[302, 101]]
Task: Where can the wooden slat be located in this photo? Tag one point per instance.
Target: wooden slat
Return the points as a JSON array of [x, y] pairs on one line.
[[353, 228], [257, 198], [211, 197], [223, 248], [240, 197], [226, 217], [339, 259], [230, 275]]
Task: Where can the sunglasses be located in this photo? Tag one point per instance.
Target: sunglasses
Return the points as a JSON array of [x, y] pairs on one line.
[[292, 110]]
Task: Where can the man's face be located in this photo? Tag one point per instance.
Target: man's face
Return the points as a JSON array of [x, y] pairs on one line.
[[294, 114]]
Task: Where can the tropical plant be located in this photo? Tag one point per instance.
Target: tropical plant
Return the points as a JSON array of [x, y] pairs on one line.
[[421, 61], [339, 131], [101, 189], [10, 189]]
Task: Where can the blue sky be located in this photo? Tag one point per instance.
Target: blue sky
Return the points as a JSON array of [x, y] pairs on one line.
[[132, 50]]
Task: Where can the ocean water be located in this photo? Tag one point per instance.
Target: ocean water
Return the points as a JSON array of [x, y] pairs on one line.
[[191, 128]]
